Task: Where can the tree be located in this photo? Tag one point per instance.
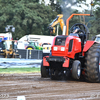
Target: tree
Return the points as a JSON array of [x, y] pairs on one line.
[[55, 6], [95, 22], [28, 17]]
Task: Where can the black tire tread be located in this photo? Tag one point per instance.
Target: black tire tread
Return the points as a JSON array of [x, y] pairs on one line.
[[44, 72], [74, 69], [92, 73]]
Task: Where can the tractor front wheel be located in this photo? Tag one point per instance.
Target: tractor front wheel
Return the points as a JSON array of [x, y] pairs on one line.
[[76, 69], [44, 71]]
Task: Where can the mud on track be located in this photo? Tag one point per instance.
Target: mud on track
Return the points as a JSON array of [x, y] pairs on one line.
[[33, 87]]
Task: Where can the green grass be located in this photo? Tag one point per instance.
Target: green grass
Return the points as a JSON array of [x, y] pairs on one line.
[[19, 70]]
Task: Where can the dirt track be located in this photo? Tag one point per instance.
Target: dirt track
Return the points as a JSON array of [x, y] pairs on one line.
[[33, 87]]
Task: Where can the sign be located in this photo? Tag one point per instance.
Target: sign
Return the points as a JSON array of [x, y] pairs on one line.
[[21, 98]]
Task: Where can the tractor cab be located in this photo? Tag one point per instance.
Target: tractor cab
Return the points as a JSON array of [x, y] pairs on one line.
[[71, 44], [66, 46]]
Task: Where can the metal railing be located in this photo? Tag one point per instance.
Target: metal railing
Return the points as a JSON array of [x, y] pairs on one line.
[[29, 54]]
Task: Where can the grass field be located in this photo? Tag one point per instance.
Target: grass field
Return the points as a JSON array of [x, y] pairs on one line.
[[19, 70]]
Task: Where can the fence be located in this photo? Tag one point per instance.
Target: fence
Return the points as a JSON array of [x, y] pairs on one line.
[[29, 54]]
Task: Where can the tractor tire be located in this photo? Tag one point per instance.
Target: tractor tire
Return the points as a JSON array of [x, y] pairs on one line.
[[92, 64], [76, 69], [44, 71], [30, 48]]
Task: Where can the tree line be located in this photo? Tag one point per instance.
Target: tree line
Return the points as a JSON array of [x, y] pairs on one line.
[[33, 16]]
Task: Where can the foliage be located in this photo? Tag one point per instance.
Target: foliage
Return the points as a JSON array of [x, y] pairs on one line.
[[95, 23], [28, 17], [32, 17]]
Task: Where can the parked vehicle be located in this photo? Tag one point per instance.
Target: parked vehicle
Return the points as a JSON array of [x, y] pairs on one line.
[[70, 55], [96, 38], [7, 49], [34, 45]]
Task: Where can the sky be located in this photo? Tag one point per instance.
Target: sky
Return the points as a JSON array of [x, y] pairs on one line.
[[83, 6], [87, 1], [80, 9]]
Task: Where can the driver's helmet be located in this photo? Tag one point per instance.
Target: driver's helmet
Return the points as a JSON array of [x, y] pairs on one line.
[[76, 29]]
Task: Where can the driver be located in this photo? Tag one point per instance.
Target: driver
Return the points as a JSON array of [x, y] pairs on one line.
[[80, 33], [76, 29]]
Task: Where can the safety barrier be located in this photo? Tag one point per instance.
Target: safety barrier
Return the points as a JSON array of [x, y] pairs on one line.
[[29, 54]]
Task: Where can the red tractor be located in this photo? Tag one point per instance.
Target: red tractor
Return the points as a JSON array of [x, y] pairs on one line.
[[73, 54]]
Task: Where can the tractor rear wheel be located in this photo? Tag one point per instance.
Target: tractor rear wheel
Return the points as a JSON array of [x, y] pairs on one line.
[[92, 64], [76, 69], [44, 71]]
